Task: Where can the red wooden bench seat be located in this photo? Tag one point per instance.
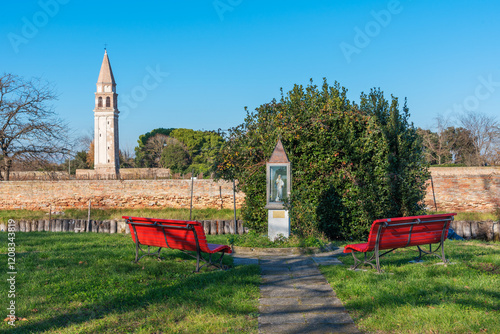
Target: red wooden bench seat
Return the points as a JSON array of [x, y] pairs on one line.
[[176, 234], [393, 233]]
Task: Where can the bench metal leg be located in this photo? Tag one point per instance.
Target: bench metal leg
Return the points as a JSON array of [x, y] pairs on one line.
[[375, 256], [358, 262], [136, 252], [137, 248], [199, 257], [422, 252], [441, 246], [442, 254], [218, 262]]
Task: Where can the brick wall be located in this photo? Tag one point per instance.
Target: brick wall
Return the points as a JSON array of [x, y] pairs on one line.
[[459, 189], [39, 195], [126, 173], [456, 189]]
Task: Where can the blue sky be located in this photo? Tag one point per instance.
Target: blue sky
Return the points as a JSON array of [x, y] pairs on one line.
[[210, 59]]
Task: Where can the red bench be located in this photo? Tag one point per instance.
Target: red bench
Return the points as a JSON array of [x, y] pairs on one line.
[[393, 233], [187, 236]]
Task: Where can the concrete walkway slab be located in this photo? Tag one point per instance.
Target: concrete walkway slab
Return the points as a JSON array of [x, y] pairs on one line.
[[295, 296], [308, 328], [327, 260], [245, 261]]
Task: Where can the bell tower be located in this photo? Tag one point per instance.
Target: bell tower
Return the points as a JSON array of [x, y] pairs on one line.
[[106, 160]]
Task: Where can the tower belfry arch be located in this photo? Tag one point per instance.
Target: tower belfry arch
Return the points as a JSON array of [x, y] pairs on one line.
[[106, 148]]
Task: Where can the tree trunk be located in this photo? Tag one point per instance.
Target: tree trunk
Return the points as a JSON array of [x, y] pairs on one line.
[[6, 168]]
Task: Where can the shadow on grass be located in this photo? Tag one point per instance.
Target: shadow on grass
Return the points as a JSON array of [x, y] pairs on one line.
[[192, 291], [387, 299], [169, 284], [470, 283], [455, 251]]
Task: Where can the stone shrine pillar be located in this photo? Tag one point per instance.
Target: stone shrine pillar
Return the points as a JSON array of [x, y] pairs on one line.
[[279, 181]]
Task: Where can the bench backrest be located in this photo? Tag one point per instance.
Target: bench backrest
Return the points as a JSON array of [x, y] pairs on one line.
[[168, 233], [409, 231]]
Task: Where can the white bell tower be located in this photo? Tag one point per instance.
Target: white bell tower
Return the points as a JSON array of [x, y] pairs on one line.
[[106, 149]]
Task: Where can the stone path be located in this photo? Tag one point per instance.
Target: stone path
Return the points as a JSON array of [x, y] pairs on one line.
[[296, 298]]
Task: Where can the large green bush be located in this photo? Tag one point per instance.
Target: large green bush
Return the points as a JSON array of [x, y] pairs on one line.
[[351, 163]]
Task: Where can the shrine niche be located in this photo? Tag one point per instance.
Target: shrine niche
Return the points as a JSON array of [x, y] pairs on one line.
[[278, 188]]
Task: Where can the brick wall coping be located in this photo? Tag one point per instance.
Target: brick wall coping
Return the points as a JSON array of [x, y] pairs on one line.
[[464, 171], [173, 181]]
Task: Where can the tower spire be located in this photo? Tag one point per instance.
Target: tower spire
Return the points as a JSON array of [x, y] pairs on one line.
[[106, 73]]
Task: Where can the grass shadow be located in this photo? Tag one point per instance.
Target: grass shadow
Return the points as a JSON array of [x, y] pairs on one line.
[[89, 283], [425, 297]]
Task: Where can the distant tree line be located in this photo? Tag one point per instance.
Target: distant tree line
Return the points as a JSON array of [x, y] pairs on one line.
[[473, 141], [181, 150]]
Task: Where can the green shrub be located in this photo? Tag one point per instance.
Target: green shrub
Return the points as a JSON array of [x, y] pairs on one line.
[[351, 163]]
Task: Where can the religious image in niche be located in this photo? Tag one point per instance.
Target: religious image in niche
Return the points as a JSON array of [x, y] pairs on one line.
[[278, 184]]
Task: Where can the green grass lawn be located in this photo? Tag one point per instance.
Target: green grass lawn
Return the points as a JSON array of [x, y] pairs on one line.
[[463, 297], [477, 216], [87, 283]]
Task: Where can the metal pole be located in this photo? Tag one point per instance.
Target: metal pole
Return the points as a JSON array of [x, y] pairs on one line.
[[88, 217], [234, 209], [433, 194], [191, 206], [220, 195]]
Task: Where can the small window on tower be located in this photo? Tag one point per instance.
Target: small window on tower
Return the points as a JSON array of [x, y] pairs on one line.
[[99, 102], [108, 102]]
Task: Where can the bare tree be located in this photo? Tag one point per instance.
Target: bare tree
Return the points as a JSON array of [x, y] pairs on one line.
[[449, 144], [90, 155], [29, 128], [461, 145], [83, 141], [429, 141], [496, 156], [126, 157], [156, 145], [444, 140], [438, 145], [485, 131]]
